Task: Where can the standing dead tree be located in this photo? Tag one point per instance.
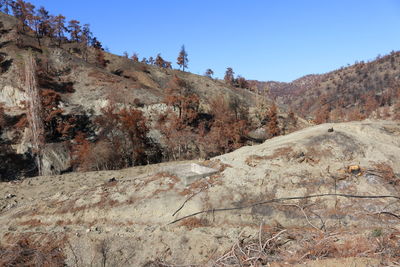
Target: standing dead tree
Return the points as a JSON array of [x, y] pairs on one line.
[[34, 111]]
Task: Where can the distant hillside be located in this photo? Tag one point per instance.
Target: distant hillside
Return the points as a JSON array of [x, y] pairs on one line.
[[365, 89]]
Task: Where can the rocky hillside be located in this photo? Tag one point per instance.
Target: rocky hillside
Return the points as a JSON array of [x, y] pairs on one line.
[[103, 111], [328, 193]]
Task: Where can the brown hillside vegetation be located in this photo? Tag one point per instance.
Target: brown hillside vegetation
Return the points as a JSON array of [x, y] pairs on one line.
[[102, 111], [363, 90], [110, 160]]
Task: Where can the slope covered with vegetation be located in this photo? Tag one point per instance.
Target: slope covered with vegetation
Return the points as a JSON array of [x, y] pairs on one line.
[[363, 90], [103, 111]]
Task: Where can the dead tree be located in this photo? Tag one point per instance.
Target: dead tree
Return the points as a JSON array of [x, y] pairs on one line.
[[34, 111]]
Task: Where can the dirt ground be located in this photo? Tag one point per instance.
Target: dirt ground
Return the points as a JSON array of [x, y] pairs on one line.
[[292, 200]]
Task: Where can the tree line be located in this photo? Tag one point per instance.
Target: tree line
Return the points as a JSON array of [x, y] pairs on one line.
[[45, 24]]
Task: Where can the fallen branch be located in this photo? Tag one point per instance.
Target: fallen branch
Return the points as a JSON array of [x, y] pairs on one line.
[[389, 213], [305, 215], [283, 199], [189, 198]]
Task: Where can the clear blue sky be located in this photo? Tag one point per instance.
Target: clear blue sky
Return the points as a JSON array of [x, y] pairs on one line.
[[260, 39]]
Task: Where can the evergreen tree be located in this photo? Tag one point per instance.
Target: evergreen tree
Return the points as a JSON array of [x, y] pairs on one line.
[[182, 59]]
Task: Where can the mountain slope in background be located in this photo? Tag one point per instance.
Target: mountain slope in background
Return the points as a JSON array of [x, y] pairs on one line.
[[359, 91]]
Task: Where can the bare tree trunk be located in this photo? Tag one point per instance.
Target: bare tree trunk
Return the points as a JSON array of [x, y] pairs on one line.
[[34, 111]]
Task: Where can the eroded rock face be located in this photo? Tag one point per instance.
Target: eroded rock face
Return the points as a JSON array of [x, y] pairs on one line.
[[12, 97], [131, 214]]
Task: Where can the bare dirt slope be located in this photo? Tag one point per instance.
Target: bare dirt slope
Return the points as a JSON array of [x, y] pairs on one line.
[[126, 221]]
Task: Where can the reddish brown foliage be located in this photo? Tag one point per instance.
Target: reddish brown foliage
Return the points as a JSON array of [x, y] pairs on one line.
[[355, 115], [182, 59], [228, 127], [180, 97], [371, 104], [322, 114], [2, 117], [273, 125], [241, 82], [193, 222], [50, 101], [229, 78], [80, 152], [30, 253], [100, 58], [122, 139]]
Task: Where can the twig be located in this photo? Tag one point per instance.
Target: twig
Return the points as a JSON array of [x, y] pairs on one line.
[[283, 199], [183, 204], [305, 215], [272, 238], [389, 213]]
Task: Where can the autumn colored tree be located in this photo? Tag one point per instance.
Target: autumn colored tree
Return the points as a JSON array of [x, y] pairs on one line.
[[44, 22], [371, 104], [80, 151], [355, 115], [126, 130], [177, 123], [273, 124], [322, 114], [241, 82], [100, 58], [92, 156], [135, 57], [168, 65], [229, 78], [23, 11], [180, 97], [85, 41], [182, 59], [227, 130], [209, 73], [74, 30], [160, 62], [86, 35], [178, 137], [58, 24], [133, 124]]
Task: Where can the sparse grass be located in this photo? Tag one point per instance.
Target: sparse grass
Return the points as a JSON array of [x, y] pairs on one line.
[[194, 222], [285, 152]]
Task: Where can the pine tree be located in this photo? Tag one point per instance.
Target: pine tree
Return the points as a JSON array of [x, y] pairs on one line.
[[209, 73], [135, 57], [59, 27], [229, 76], [74, 29], [44, 22], [160, 62], [182, 59]]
